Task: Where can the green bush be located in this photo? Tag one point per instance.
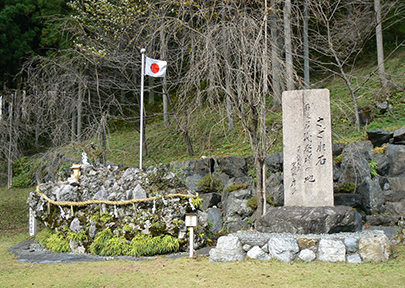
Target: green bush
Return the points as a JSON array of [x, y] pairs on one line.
[[57, 243], [108, 244], [101, 241], [144, 245], [115, 246]]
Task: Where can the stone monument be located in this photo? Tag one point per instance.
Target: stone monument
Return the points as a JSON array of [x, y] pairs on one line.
[[307, 148], [308, 171]]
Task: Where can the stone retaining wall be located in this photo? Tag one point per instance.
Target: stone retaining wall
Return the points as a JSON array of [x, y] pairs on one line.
[[340, 247]]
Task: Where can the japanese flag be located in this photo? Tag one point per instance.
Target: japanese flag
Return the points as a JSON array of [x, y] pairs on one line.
[[155, 68]]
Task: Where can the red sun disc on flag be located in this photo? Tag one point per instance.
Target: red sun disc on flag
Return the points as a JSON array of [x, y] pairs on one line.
[[154, 68]]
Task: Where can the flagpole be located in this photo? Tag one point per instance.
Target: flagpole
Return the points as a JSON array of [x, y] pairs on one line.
[[143, 50]]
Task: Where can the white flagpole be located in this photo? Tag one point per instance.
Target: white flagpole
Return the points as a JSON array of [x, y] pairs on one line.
[[141, 128]]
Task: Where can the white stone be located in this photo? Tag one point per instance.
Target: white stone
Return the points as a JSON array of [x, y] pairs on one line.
[[354, 258], [307, 255], [284, 249], [228, 249], [257, 253], [332, 250], [352, 245], [246, 247], [307, 148]]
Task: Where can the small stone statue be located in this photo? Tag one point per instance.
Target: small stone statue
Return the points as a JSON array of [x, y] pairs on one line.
[[84, 158]]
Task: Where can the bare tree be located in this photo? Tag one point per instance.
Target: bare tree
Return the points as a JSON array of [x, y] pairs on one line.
[[344, 27], [380, 46]]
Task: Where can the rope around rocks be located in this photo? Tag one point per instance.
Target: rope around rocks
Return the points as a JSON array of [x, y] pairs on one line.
[[126, 202]]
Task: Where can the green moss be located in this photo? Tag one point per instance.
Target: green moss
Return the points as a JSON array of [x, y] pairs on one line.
[[209, 183], [105, 217], [252, 202], [235, 187], [348, 187]]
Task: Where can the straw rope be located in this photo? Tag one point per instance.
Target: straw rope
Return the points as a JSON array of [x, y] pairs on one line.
[[126, 202]]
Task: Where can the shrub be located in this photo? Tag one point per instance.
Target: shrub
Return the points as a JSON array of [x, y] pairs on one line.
[[144, 245], [57, 243]]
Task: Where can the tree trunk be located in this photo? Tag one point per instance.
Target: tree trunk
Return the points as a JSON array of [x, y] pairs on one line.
[[306, 46], [229, 109], [275, 68], [183, 130], [380, 45], [163, 48], [287, 45], [79, 109], [103, 140], [150, 92], [10, 155]]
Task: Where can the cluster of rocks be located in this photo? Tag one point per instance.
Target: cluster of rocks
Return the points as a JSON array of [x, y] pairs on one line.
[[339, 247], [158, 217], [368, 176]]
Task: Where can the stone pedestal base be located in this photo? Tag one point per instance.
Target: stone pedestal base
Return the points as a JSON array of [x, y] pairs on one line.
[[310, 220]]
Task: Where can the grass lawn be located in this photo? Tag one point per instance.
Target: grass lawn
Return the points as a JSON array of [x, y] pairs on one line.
[[184, 272]]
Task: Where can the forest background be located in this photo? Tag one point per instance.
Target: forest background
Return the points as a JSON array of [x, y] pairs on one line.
[[70, 76]]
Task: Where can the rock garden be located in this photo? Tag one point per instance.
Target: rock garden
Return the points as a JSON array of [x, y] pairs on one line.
[[141, 212]]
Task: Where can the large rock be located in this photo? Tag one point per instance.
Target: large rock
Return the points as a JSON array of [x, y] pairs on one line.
[[307, 255], [235, 205], [397, 186], [372, 194], [395, 208], [383, 164], [210, 200], [75, 225], [257, 253], [399, 136], [351, 200], [232, 166], [252, 237], [234, 226], [374, 249], [306, 220], [396, 157], [332, 250], [382, 220], [274, 162], [275, 188], [284, 249], [379, 136], [187, 168], [215, 218], [354, 167], [229, 248]]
